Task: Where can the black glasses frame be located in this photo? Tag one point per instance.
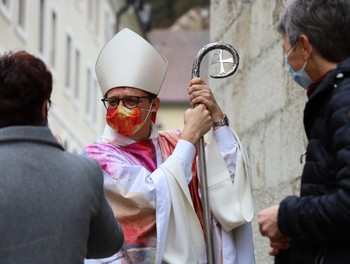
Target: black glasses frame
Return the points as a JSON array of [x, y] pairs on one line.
[[106, 105]]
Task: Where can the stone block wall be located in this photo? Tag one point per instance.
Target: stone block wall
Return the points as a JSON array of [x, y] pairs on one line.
[[264, 105]]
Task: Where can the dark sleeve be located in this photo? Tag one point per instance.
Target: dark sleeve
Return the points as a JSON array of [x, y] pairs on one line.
[[326, 217], [106, 236]]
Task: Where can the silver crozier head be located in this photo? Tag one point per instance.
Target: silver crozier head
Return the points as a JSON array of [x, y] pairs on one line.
[[217, 58]]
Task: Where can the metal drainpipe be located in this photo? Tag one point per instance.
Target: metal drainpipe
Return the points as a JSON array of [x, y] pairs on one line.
[[120, 12], [123, 10]]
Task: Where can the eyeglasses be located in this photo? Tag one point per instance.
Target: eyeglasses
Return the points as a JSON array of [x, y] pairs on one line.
[[128, 101]]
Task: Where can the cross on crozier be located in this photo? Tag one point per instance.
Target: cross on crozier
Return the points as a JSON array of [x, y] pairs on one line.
[[217, 58]]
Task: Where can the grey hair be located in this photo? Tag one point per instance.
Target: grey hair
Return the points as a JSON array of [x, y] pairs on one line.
[[325, 22]]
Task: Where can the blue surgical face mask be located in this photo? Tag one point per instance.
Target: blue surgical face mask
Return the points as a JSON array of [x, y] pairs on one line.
[[300, 77]]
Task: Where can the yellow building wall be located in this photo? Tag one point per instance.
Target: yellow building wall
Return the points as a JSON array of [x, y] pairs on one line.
[[171, 116]]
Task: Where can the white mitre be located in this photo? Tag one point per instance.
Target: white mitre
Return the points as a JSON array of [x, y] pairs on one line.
[[128, 60]]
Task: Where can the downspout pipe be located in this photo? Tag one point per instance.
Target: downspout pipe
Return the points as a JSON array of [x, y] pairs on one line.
[[120, 12]]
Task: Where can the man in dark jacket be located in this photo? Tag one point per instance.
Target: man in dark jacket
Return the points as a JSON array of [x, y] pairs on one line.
[[314, 228], [52, 203]]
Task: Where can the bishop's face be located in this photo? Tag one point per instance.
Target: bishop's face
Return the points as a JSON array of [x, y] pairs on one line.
[[134, 100]]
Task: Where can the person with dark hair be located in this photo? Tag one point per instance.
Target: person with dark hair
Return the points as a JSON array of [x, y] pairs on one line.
[[314, 228], [151, 178], [52, 203], [23, 93]]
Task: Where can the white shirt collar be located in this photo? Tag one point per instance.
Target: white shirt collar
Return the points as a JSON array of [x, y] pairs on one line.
[[112, 137]]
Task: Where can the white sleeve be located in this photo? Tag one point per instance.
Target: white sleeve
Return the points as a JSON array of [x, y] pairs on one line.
[[228, 148], [228, 183], [185, 153]]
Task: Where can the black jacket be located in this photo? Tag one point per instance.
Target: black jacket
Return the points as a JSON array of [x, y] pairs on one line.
[[319, 220]]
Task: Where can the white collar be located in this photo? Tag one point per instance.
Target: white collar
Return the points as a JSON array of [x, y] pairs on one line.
[[112, 137]]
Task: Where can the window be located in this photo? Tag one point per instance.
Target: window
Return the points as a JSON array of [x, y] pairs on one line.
[[52, 58], [97, 16], [90, 13], [91, 98], [20, 19], [94, 101], [68, 61], [5, 8], [41, 25], [108, 26], [88, 84], [21, 14], [93, 15], [77, 75], [78, 4], [72, 68], [89, 94]]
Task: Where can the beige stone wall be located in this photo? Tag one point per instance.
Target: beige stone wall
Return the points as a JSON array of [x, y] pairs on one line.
[[264, 105]]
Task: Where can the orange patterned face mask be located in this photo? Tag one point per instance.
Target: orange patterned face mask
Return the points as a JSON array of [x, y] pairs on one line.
[[125, 121]]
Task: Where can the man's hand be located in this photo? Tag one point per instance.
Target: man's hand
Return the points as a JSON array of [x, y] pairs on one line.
[[276, 246], [268, 227], [197, 123], [200, 93]]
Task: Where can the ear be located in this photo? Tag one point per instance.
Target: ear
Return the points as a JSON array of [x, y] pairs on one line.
[[306, 46], [156, 104], [44, 110]]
